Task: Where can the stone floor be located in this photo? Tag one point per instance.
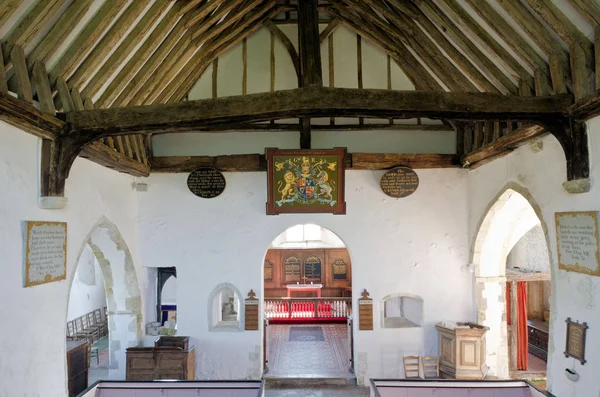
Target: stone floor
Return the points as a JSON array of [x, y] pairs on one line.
[[328, 358], [317, 391]]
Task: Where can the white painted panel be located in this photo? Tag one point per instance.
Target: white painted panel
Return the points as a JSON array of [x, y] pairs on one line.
[[374, 66], [285, 74], [399, 79], [259, 61], [213, 144], [229, 77], [344, 52], [203, 87]]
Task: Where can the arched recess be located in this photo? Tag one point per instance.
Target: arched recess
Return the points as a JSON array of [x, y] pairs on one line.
[[123, 298], [509, 216]]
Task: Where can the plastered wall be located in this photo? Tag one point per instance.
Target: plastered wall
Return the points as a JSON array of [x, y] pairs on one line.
[[32, 343], [87, 291], [574, 295], [416, 245]]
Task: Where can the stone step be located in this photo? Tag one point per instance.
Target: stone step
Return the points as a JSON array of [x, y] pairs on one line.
[[317, 390]]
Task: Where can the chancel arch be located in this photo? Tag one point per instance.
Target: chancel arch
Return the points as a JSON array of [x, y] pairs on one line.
[[123, 298], [505, 277]]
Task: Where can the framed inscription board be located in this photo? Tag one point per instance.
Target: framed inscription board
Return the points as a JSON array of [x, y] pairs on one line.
[[305, 181], [291, 269], [577, 242], [340, 270], [399, 182], [206, 182], [576, 340], [312, 269], [44, 252], [251, 312]]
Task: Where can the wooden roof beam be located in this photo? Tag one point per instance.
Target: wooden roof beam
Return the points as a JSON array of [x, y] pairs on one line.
[[589, 9], [132, 76], [124, 49], [220, 15], [287, 43], [105, 46], [509, 35], [501, 56], [7, 9], [236, 14], [313, 101], [183, 82], [85, 40], [457, 36], [29, 119]]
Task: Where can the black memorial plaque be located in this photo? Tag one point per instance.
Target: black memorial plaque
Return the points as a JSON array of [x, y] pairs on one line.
[[206, 182], [399, 182]]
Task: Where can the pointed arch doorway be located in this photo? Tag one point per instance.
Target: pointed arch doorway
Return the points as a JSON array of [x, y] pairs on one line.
[[307, 294], [106, 248], [513, 285]]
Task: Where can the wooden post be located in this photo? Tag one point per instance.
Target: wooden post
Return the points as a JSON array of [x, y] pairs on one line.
[[310, 57]]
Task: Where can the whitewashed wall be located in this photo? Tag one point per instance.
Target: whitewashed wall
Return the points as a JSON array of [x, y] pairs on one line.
[[573, 295], [530, 252], [417, 245], [32, 343], [87, 291]]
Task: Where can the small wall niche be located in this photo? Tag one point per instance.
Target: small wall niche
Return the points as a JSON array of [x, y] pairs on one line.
[[225, 309], [402, 311]]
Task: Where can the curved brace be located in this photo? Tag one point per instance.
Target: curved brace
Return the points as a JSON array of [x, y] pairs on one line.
[[572, 136]]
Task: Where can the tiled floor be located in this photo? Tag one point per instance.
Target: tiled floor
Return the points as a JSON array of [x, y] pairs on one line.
[[536, 364], [308, 358], [99, 368]]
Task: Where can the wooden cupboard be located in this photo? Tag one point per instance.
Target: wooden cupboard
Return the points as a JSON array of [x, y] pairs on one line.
[[328, 266], [77, 366], [170, 358]]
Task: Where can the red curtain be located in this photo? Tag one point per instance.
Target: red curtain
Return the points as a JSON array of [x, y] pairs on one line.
[[522, 348]]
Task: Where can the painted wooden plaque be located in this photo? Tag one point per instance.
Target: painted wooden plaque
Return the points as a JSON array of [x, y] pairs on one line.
[[365, 312], [340, 270], [44, 252], [206, 182], [312, 269], [399, 182], [251, 312], [291, 269], [577, 242], [305, 181], [576, 340], [268, 270]]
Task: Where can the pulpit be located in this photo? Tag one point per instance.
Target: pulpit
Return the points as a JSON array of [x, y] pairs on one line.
[[462, 350]]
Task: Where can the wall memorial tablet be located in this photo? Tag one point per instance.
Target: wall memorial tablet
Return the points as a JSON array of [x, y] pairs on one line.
[[312, 268], [577, 242], [291, 269], [399, 182], [45, 252], [206, 182]]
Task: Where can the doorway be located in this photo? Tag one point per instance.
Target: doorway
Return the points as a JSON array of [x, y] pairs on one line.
[[115, 279], [512, 265], [308, 305]]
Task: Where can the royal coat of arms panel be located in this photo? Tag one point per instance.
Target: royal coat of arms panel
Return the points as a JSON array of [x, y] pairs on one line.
[[305, 181]]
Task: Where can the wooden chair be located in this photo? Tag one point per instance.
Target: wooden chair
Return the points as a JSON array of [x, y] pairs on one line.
[[431, 367], [411, 367], [99, 321], [81, 328], [72, 333], [92, 324]]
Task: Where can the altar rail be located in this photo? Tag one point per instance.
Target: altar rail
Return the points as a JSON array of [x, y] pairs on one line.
[[298, 308]]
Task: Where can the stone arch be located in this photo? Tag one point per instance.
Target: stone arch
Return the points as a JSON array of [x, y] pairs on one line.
[[216, 325], [507, 218], [123, 297]]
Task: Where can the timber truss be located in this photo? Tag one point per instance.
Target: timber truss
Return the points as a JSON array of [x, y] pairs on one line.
[[107, 93]]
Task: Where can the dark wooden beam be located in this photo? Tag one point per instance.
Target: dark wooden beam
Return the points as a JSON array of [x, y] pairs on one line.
[[25, 116], [309, 43], [504, 144], [275, 127], [90, 125], [311, 72], [257, 162], [586, 108]]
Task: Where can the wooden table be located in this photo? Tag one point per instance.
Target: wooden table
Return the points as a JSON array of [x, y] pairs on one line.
[[304, 287]]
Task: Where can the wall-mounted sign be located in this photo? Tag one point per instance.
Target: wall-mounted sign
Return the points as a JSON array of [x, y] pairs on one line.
[[365, 312], [206, 182], [577, 242], [312, 269], [291, 269], [45, 252], [268, 270], [576, 340], [251, 312], [301, 181], [340, 270], [399, 182]]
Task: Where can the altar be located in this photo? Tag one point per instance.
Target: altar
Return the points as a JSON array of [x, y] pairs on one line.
[[304, 287]]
